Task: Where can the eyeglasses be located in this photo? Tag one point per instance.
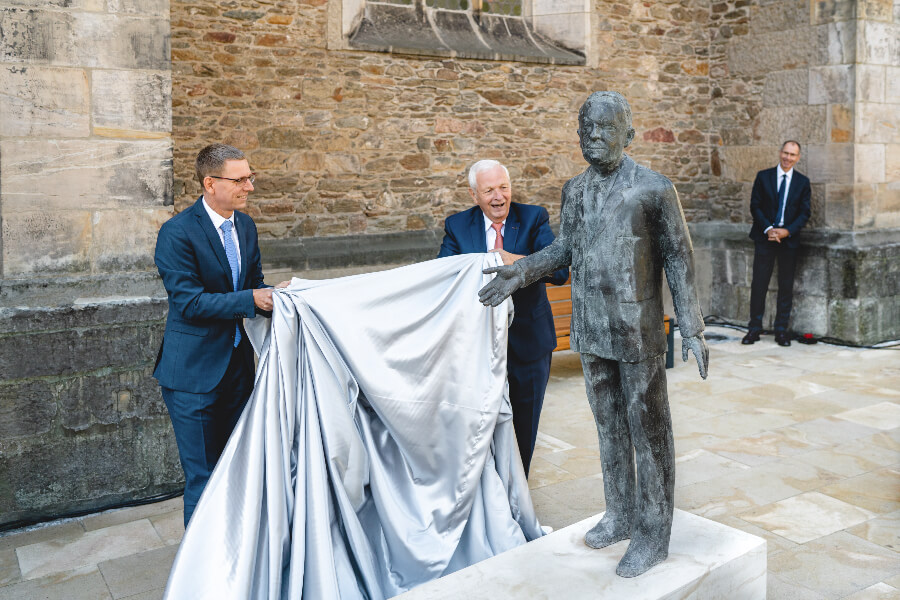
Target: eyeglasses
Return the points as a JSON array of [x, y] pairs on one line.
[[240, 180]]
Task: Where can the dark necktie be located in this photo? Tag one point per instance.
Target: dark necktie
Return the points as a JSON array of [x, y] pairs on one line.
[[782, 196], [231, 254]]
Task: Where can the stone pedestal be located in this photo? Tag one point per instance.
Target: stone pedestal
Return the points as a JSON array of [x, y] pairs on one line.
[[706, 560]]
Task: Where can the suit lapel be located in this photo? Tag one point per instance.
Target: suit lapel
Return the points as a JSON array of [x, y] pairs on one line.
[[512, 230], [212, 236], [622, 182], [244, 237], [476, 230]]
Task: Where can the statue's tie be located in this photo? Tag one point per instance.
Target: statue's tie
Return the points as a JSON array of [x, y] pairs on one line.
[[498, 243], [782, 189], [231, 254]]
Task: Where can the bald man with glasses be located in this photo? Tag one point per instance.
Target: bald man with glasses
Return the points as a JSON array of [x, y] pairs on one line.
[[209, 261]]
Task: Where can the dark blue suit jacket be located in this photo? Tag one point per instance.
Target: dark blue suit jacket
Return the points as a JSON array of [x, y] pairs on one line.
[[764, 205], [203, 305], [531, 335]]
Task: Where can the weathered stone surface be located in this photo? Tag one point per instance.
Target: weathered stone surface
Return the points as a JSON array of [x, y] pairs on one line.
[[892, 85], [880, 43], [124, 240], [84, 174], [786, 87], [831, 85], [759, 54], [43, 101], [806, 124], [137, 101], [892, 162], [868, 163], [830, 163], [870, 83], [878, 123], [46, 242], [743, 163], [91, 400], [26, 408], [155, 8], [84, 39], [79, 351]]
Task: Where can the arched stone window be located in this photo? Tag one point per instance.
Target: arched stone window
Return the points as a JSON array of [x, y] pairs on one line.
[[549, 31]]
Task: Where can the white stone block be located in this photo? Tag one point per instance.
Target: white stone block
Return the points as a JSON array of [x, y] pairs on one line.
[[877, 123], [706, 560], [880, 43], [136, 101], [870, 83], [43, 101], [868, 163], [891, 85], [568, 28], [556, 7], [831, 163], [831, 85], [84, 174]]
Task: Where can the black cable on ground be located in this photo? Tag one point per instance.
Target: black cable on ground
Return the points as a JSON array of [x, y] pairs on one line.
[[831, 341], [22, 523]]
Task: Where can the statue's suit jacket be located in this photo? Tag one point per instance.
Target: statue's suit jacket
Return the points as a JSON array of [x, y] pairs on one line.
[[618, 247], [531, 334], [764, 205], [204, 307]]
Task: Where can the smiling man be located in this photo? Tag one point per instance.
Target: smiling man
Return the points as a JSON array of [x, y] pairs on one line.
[[780, 207], [209, 262], [622, 226], [514, 230]]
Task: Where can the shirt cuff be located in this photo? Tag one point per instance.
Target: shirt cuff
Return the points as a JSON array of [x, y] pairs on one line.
[[766, 230]]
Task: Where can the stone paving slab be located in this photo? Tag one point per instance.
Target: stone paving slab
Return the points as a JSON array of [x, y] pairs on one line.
[[751, 451]]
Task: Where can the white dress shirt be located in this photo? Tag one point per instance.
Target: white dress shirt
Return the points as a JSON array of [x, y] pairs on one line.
[[787, 183], [217, 220], [490, 234]]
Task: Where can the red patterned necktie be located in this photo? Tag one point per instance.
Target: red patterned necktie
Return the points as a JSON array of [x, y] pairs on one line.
[[498, 243]]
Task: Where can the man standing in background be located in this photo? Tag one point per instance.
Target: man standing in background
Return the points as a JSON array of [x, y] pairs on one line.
[[209, 261], [514, 230], [779, 205]]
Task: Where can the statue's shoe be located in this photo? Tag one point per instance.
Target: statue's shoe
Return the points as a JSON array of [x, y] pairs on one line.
[[640, 557], [608, 531]]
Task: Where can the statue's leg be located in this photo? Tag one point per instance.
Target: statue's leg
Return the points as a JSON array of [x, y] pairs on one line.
[[605, 396], [650, 424]]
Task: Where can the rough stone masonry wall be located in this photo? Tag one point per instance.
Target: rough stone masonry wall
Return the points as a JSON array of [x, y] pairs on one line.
[[349, 142], [825, 74], [85, 182]]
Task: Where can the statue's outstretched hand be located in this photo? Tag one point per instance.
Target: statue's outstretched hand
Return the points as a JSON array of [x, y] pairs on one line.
[[508, 280], [697, 345]]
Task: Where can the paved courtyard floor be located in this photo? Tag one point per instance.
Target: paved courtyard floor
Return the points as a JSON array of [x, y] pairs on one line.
[[798, 445]]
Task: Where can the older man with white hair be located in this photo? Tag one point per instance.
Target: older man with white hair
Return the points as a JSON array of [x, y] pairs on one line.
[[514, 230]]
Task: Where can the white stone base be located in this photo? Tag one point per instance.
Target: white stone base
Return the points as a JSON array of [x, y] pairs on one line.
[[707, 560]]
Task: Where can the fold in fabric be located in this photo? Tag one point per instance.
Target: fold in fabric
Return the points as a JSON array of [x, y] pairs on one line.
[[377, 451]]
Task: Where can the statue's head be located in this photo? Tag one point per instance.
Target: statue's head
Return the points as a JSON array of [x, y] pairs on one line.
[[604, 128]]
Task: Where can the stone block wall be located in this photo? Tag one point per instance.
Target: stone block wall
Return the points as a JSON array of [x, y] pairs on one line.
[[85, 143], [82, 423], [353, 143], [85, 183]]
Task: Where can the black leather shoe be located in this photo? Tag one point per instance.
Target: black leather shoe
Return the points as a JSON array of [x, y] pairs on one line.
[[783, 339], [751, 338]]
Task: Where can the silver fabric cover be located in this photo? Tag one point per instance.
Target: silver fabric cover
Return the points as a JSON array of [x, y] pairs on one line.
[[377, 451]]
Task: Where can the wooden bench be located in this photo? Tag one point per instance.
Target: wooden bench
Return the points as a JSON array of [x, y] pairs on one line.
[[560, 297]]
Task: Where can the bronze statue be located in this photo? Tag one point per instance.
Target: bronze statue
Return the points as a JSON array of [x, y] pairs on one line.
[[621, 226]]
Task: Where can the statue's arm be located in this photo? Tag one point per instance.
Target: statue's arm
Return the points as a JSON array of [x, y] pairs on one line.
[[529, 269], [678, 261]]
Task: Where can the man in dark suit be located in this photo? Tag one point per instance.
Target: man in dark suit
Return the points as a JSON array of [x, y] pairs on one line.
[[779, 205], [622, 225], [514, 230], [209, 261]]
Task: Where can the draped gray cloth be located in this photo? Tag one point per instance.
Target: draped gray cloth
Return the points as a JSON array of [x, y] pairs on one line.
[[377, 451]]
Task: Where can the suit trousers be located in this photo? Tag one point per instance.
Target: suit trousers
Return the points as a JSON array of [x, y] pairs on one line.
[[764, 259], [634, 426], [527, 384], [204, 422]]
